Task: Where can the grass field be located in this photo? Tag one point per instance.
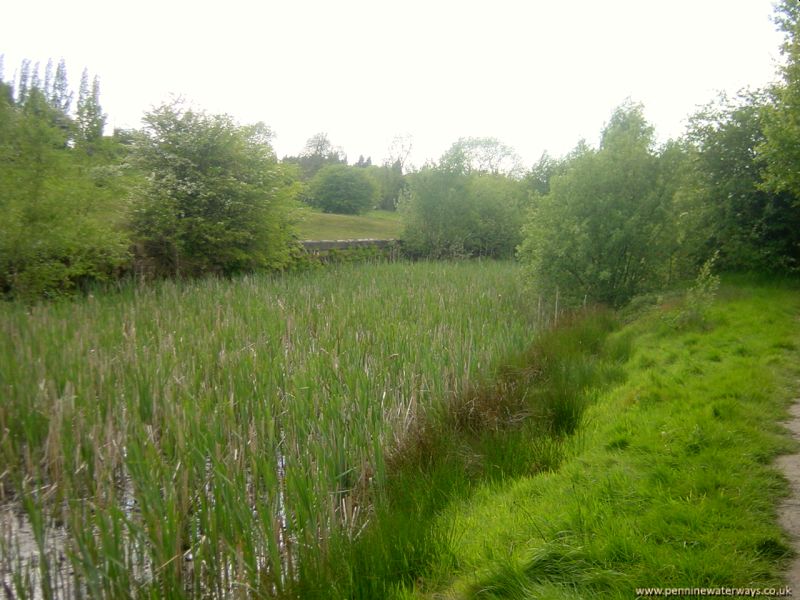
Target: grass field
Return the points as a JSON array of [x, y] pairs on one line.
[[212, 437], [377, 224]]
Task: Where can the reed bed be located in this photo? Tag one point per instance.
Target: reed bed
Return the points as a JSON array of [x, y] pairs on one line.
[[208, 439]]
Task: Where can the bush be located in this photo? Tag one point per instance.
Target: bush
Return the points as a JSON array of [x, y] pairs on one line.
[[216, 201], [62, 210], [606, 230], [343, 190], [450, 215]]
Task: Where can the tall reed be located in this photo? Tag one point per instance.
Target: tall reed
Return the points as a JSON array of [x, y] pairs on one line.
[[210, 438]]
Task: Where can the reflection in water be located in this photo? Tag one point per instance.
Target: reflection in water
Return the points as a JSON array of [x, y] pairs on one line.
[[29, 569]]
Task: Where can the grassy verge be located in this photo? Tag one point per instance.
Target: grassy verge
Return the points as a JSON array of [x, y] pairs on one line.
[[667, 481], [377, 224]]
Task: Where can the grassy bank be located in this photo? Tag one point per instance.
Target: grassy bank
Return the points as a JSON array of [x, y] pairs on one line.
[[513, 423], [667, 481], [214, 437], [377, 224]]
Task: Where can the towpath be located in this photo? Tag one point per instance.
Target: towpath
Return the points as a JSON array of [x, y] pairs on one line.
[[789, 512]]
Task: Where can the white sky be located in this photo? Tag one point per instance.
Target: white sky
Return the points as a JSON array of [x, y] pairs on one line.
[[538, 75]]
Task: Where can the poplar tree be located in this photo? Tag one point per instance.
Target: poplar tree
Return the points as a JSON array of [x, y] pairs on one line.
[[90, 119], [48, 78], [61, 96], [23, 84]]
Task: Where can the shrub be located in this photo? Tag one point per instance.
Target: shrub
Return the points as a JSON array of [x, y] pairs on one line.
[[605, 232], [450, 215], [62, 210], [343, 190], [216, 201]]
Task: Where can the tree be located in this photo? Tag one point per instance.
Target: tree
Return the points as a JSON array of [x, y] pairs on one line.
[[317, 153], [23, 84], [481, 155], [780, 150], [61, 96], [216, 200], [753, 226], [48, 78], [90, 119], [342, 189], [454, 215], [399, 152], [782, 121], [62, 222], [391, 184], [605, 231], [538, 178]]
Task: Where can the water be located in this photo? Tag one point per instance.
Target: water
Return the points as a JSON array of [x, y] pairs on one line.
[[22, 563]]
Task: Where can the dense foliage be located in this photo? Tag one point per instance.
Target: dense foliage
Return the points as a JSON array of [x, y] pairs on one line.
[[61, 193], [390, 183], [782, 125], [343, 190], [216, 199], [470, 204], [450, 214], [194, 193], [604, 230], [188, 195], [626, 218], [753, 225]]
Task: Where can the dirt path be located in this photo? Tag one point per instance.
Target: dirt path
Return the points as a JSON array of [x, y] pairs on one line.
[[789, 511]]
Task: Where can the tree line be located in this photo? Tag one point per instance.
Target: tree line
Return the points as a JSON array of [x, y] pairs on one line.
[[193, 193]]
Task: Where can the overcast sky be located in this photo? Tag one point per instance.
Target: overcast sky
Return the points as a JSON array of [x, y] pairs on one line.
[[538, 75]]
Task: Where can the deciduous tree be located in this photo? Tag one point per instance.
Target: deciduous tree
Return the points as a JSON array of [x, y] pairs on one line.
[[342, 189], [754, 226], [481, 155], [454, 215], [605, 229], [61, 222], [216, 201]]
